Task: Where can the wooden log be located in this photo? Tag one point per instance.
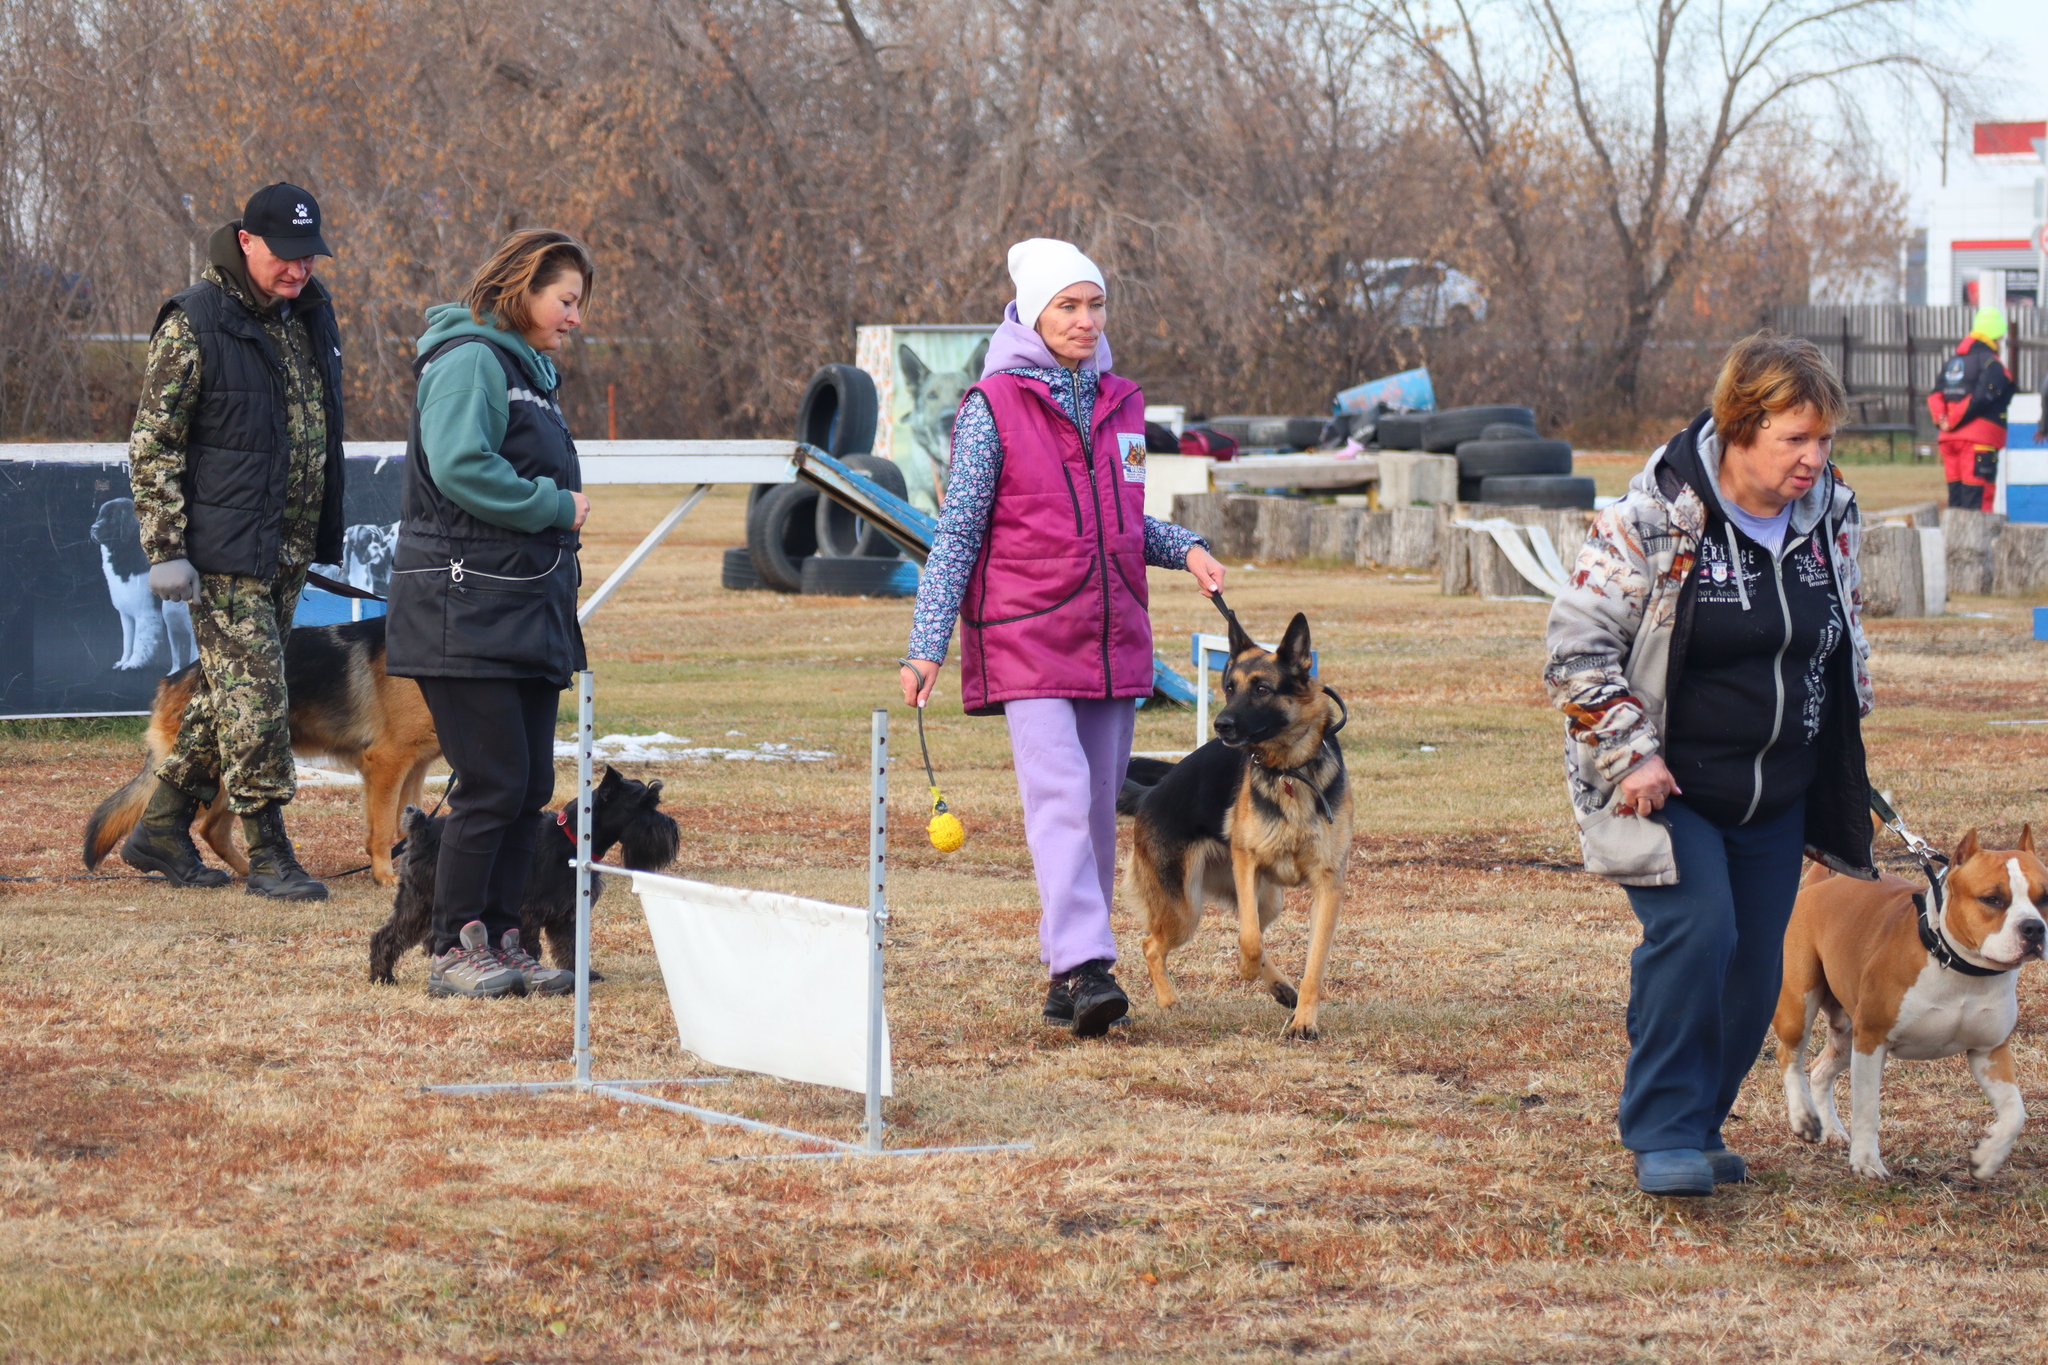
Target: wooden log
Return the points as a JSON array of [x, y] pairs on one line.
[[1970, 536], [1375, 539], [1413, 537], [1201, 513], [1282, 529], [1454, 562], [1333, 533], [1909, 514], [1891, 572], [2019, 563], [1240, 526]]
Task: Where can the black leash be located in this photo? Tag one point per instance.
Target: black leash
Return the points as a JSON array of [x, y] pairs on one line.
[[1929, 905], [339, 588]]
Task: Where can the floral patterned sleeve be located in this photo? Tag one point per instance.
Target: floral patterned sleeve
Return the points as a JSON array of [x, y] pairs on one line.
[[1167, 545], [976, 465]]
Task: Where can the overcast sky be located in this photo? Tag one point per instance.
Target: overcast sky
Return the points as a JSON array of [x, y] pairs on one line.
[[2010, 38]]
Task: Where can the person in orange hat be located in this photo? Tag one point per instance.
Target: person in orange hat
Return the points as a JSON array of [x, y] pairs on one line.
[[1968, 404]]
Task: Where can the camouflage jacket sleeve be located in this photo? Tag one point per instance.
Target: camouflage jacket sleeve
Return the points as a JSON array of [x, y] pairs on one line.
[[156, 446], [1592, 629]]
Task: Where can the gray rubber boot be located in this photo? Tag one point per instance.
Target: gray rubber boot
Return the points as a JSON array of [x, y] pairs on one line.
[[162, 841], [274, 869]]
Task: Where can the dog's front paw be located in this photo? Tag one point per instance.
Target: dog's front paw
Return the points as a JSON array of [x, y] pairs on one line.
[[1987, 1159], [1867, 1165], [1298, 1032]]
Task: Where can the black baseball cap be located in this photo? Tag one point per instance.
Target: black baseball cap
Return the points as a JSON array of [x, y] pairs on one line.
[[287, 218]]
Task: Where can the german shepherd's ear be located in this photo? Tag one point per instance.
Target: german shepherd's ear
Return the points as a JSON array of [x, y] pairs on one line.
[[1240, 643], [1295, 648], [2027, 838]]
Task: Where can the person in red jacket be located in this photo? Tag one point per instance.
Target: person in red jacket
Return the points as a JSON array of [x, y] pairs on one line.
[[1968, 405]]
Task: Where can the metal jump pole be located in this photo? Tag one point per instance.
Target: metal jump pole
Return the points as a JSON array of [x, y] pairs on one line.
[[878, 914]]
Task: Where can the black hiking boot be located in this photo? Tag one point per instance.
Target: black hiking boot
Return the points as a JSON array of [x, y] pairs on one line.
[[1094, 999], [274, 869], [162, 841]]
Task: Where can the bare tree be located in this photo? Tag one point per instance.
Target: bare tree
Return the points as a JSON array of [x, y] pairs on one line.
[[1659, 143]]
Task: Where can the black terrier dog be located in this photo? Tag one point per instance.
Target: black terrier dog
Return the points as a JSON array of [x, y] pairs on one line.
[[623, 812]]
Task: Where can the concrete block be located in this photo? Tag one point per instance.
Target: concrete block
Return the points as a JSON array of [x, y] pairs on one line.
[[1411, 477]]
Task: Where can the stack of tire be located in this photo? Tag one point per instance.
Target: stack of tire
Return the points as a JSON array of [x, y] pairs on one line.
[[801, 541], [1502, 459]]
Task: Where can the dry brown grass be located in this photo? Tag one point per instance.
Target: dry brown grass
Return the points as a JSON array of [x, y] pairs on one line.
[[211, 1145]]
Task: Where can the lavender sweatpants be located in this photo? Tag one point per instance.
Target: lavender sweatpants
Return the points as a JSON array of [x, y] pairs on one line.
[[1070, 758]]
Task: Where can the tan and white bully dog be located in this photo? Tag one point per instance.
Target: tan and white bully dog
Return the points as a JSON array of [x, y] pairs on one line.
[[1894, 982]]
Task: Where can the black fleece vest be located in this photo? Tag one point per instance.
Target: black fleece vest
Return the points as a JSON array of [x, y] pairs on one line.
[[236, 458], [470, 599]]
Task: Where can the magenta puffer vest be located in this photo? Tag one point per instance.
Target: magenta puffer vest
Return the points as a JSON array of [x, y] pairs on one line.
[[1056, 605]]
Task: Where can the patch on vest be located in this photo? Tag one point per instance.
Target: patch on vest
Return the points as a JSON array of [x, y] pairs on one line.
[[1131, 453]]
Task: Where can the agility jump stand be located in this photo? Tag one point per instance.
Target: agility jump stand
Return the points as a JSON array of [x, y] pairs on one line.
[[629, 1091]]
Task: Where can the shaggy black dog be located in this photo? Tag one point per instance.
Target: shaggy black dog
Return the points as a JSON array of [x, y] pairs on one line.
[[624, 813]]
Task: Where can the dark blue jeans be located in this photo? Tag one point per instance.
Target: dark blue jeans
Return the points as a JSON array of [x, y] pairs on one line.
[[1704, 982]]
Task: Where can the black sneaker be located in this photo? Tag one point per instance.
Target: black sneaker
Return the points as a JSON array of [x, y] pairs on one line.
[[1093, 1001], [1059, 1006]]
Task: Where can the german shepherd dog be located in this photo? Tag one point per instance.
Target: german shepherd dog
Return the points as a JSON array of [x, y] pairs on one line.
[[1264, 805], [623, 812], [343, 706]]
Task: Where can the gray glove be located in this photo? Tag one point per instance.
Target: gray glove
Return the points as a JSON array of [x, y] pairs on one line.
[[174, 580]]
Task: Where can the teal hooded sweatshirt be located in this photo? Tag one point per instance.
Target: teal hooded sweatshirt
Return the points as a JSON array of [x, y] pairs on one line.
[[463, 411]]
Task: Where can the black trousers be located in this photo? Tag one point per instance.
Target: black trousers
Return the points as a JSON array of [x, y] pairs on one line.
[[498, 734]]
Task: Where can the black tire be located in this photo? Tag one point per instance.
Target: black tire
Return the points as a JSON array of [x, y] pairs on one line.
[[1274, 433], [737, 572], [839, 411], [1507, 431], [1399, 431], [1525, 455], [1538, 491], [1444, 432], [781, 531], [859, 577], [841, 534]]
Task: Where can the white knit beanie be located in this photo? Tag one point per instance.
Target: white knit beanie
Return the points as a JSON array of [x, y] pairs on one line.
[[1042, 266]]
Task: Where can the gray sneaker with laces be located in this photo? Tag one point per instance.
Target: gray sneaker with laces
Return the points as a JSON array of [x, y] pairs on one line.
[[539, 980], [471, 969]]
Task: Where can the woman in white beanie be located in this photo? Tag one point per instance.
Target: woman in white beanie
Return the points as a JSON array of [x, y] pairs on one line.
[[1041, 552]]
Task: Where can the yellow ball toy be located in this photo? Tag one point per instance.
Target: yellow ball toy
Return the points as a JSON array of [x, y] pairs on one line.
[[946, 831]]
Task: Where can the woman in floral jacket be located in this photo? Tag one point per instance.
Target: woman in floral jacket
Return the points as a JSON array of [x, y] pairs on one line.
[[1709, 659]]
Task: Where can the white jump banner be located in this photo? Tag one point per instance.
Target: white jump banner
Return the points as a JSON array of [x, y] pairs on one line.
[[765, 982]]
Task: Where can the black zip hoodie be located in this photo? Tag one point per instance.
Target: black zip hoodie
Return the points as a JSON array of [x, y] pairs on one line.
[[1762, 705]]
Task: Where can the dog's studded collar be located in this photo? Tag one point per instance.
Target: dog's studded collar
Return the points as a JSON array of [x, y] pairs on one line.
[[1935, 941]]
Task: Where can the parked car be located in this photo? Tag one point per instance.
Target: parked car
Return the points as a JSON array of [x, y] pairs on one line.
[[1409, 292]]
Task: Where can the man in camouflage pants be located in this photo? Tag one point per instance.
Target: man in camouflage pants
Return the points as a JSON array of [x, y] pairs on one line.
[[235, 462]]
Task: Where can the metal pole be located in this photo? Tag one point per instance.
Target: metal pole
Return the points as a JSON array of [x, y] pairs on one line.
[[585, 737], [640, 552], [878, 918]]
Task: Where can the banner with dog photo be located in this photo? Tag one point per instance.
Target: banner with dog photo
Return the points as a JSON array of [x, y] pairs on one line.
[[80, 632], [920, 374]]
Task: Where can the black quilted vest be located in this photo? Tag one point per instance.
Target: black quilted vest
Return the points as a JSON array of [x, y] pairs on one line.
[[470, 599], [236, 459]]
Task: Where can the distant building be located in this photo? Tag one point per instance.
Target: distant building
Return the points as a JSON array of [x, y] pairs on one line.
[[1978, 245]]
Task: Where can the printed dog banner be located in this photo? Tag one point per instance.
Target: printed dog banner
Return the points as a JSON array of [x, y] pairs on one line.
[[921, 374], [765, 982]]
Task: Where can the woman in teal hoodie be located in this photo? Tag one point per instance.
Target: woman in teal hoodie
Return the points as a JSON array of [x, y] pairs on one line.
[[483, 591]]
